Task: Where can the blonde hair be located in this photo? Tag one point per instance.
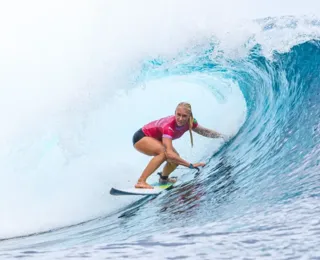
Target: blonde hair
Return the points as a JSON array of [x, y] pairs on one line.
[[187, 106]]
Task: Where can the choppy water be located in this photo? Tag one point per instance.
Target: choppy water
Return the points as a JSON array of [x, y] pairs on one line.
[[65, 144]]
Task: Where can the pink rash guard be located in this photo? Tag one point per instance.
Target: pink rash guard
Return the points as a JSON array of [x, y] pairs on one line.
[[166, 127]]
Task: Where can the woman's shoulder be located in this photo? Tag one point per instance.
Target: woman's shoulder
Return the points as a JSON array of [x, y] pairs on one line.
[[168, 118], [167, 121]]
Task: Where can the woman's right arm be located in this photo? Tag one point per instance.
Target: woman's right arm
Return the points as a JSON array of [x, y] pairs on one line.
[[174, 157]]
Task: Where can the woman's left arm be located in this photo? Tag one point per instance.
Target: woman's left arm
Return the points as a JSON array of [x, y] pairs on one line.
[[207, 132]]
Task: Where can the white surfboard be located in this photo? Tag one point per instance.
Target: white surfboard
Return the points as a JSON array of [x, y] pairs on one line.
[[157, 189]]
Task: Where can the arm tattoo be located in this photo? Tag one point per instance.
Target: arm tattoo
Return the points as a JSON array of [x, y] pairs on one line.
[[206, 132]]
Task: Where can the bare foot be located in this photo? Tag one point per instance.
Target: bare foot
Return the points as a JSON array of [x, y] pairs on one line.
[[143, 185]]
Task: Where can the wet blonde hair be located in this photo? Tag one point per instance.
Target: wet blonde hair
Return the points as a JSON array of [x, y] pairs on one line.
[[187, 106]]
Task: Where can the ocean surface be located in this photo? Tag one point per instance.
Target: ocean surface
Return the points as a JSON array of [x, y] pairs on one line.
[[78, 78]]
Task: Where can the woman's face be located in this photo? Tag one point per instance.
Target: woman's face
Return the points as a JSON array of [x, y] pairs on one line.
[[182, 116]]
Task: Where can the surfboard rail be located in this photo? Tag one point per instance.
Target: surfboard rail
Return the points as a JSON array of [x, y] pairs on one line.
[[158, 188]]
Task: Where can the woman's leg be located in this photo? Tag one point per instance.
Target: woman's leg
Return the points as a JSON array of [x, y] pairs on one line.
[[152, 147], [169, 167]]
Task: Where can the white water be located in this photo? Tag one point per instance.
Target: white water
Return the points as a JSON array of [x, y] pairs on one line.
[[64, 70]]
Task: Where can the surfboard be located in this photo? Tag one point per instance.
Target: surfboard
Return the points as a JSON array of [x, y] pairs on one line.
[[157, 189]]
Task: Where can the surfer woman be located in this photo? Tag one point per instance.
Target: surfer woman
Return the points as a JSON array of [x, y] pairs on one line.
[[155, 139]]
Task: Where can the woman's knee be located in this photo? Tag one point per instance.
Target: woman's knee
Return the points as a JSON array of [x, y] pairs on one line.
[[163, 156]]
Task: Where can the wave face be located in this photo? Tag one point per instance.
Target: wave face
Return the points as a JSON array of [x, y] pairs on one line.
[[256, 80]]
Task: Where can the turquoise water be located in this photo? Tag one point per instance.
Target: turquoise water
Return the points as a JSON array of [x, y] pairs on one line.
[[257, 197]]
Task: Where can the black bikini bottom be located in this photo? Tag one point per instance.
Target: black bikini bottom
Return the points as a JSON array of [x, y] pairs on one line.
[[138, 136]]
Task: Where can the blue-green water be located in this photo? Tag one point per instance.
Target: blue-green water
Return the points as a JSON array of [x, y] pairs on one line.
[[257, 197]]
